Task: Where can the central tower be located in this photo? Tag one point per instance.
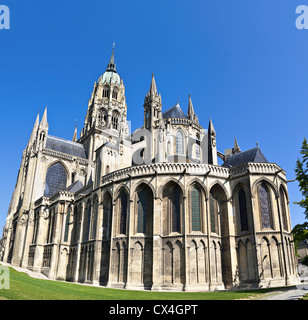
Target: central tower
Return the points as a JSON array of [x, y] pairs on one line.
[[106, 118]]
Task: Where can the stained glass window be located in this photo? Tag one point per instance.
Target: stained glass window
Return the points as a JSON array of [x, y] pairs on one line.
[[283, 209], [175, 209], [88, 223], [213, 214], [179, 143], [55, 179], [143, 203], [265, 206], [115, 120], [243, 209], [123, 212], [195, 209]]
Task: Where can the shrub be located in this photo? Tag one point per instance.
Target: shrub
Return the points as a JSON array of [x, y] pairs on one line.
[[305, 261]]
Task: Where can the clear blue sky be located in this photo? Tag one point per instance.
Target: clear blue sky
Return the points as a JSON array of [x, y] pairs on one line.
[[243, 62]]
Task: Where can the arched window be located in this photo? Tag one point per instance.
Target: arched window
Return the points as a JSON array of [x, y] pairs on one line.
[[106, 92], [265, 206], [87, 223], [115, 120], [115, 94], [107, 216], [172, 202], [179, 143], [195, 197], [142, 210], [94, 219], [214, 209], [283, 208], [243, 209], [197, 145], [55, 179], [144, 198], [123, 211]]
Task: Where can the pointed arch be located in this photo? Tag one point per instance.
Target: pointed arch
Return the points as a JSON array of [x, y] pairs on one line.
[[115, 120], [94, 217], [218, 183], [178, 262], [265, 259], [172, 204], [144, 209], [265, 206], [137, 263], [87, 220], [107, 215], [243, 209], [196, 207], [168, 263], [56, 178], [167, 182], [268, 182], [283, 206], [242, 261], [122, 206], [179, 142], [193, 262]]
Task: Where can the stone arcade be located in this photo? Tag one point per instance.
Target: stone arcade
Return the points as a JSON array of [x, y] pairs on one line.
[[151, 209]]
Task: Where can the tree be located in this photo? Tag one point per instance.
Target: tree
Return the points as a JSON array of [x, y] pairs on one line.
[[300, 231], [301, 171], [305, 261]]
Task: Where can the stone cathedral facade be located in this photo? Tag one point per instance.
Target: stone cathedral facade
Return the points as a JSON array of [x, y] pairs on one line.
[[149, 209]]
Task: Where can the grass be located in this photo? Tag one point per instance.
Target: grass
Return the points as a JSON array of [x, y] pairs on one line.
[[23, 287]]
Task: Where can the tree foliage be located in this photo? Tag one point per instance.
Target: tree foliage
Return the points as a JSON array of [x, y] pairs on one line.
[[301, 171], [300, 231], [305, 261]]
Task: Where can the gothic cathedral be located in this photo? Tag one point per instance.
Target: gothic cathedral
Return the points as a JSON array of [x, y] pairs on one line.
[[150, 209]]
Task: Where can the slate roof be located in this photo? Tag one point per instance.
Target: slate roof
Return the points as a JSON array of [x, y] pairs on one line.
[[252, 155], [174, 112], [75, 186], [65, 146]]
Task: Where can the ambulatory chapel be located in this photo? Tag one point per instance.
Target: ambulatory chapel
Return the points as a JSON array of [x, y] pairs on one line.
[[150, 209]]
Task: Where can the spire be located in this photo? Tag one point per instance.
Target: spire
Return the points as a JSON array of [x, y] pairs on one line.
[[44, 123], [236, 148], [211, 127], [34, 130], [190, 112], [153, 89], [75, 134], [111, 65], [212, 151]]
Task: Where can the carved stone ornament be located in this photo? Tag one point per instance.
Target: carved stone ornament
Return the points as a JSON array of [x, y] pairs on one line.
[[23, 219]]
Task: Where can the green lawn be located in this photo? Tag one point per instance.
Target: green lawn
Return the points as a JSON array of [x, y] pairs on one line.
[[23, 287]]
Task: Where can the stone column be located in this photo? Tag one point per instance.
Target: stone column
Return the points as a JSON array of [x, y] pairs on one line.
[[56, 236], [129, 230], [208, 222], [79, 240], [113, 223], [28, 239], [98, 245], [157, 272], [43, 214], [19, 241]]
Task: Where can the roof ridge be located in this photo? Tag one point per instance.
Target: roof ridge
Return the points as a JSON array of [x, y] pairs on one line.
[[173, 107], [65, 140]]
